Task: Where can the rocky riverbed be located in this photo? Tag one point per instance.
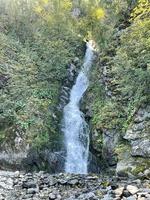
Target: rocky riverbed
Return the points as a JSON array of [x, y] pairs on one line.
[[43, 186]]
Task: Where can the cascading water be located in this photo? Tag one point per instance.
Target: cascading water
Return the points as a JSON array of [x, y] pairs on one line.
[[75, 128]]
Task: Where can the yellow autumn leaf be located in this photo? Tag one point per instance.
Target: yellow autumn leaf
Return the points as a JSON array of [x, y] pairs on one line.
[[98, 13], [48, 18], [67, 4], [45, 1], [38, 9]]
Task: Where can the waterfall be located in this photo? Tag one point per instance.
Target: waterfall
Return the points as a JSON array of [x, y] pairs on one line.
[[75, 128]]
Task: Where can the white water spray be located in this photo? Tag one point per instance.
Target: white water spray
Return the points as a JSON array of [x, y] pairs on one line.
[[76, 129]]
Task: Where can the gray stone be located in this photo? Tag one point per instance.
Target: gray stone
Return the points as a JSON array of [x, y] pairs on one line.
[[59, 197], [119, 191], [141, 148], [110, 139], [52, 196], [62, 181], [132, 189], [147, 173], [30, 184], [28, 196], [32, 191], [2, 197], [83, 187], [147, 196], [142, 115], [131, 198], [108, 197], [87, 196], [16, 174], [74, 182], [138, 127], [76, 60], [5, 186], [76, 12]]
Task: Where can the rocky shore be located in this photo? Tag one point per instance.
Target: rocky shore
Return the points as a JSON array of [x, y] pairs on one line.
[[43, 186]]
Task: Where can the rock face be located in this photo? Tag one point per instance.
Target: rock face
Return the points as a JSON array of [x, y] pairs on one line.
[[36, 186], [118, 137], [53, 162], [135, 160], [68, 83], [138, 133], [110, 140], [32, 159]]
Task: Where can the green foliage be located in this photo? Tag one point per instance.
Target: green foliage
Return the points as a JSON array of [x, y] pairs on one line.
[[41, 140], [129, 71], [34, 56], [141, 166], [141, 11], [107, 116]]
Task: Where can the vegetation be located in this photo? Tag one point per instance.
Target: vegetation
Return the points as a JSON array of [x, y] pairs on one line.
[[34, 58], [129, 71], [38, 41]]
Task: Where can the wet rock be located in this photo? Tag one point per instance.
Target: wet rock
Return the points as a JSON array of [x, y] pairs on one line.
[[72, 72]]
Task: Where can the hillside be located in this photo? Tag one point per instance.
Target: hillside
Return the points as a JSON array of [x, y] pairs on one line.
[[42, 46]]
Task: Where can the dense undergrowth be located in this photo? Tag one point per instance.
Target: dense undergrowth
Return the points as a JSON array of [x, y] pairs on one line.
[[127, 63], [34, 58]]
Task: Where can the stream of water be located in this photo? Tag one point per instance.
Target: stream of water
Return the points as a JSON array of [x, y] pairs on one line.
[[76, 129]]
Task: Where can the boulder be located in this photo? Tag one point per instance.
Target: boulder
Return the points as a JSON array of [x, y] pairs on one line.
[[141, 148], [52, 161]]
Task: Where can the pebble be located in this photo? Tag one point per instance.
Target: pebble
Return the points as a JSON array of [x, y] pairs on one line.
[[52, 196]]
